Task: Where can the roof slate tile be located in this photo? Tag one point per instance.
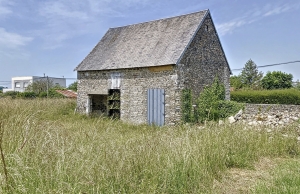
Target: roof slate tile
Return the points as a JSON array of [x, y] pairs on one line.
[[154, 43]]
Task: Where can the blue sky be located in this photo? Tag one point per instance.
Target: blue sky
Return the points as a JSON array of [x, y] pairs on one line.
[[54, 36]]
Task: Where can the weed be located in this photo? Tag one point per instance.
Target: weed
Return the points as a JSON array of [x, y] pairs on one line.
[[49, 149]]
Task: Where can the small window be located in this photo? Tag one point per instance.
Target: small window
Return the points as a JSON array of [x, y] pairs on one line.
[[206, 28], [115, 80], [17, 84], [56, 84], [25, 84]]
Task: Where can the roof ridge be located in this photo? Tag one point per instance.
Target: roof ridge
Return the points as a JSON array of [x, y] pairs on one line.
[[205, 10], [196, 31], [146, 44]]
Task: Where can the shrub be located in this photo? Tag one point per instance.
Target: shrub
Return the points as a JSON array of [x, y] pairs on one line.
[[43, 94], [212, 104], [207, 104], [228, 108], [26, 94], [287, 96], [73, 86], [186, 105], [12, 94], [236, 82], [51, 94]]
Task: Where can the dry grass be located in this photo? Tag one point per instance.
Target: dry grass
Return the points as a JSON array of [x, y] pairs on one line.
[[238, 180], [49, 149]]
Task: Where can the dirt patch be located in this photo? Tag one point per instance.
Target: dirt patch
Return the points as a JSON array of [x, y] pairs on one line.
[[244, 180]]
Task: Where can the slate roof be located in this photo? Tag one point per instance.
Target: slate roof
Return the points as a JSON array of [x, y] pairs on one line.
[[154, 43]]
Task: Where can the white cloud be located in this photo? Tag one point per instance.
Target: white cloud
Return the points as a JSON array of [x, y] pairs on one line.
[[253, 16], [278, 10], [228, 27], [13, 40], [5, 8], [66, 19], [61, 10]]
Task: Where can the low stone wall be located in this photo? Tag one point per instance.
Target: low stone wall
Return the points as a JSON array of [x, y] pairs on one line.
[[268, 114], [270, 108]]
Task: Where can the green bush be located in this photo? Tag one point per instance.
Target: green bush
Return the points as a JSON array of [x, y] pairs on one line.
[[51, 94], [287, 96], [26, 95], [43, 94], [73, 86], [186, 106], [12, 94], [228, 108], [212, 105]]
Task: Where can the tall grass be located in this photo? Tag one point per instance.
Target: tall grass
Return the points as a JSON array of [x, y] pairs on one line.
[[286, 179], [49, 149]]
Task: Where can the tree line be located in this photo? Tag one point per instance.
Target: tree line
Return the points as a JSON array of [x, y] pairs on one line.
[[251, 78]]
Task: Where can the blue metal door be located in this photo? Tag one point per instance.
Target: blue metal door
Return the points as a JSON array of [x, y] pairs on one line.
[[156, 107]]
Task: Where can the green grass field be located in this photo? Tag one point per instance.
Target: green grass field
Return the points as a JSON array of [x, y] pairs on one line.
[[47, 148]]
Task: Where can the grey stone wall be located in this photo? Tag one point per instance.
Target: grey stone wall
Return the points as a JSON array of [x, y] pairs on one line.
[[204, 59], [134, 85], [252, 109]]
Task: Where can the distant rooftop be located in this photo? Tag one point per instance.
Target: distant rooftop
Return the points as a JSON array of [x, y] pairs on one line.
[[68, 93]]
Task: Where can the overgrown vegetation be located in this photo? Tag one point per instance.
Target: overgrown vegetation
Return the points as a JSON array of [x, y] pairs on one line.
[[277, 80], [208, 102], [30, 95], [210, 105], [251, 79], [187, 106], [49, 149], [73, 86], [287, 96], [286, 179]]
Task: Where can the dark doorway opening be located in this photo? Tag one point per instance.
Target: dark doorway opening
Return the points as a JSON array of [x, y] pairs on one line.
[[99, 104]]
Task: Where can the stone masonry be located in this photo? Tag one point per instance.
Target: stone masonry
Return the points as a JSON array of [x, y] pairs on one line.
[[204, 60], [134, 85], [271, 115]]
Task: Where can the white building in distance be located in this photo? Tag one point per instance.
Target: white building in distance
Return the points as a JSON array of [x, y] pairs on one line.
[[19, 84]]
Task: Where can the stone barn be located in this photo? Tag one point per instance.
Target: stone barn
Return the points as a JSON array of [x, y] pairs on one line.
[[137, 72]]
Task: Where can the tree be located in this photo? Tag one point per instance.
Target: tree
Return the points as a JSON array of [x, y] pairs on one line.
[[236, 82], [41, 85], [277, 80], [297, 85], [250, 76], [73, 86]]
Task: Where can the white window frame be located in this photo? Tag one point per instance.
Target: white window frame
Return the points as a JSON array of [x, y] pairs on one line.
[[25, 84], [17, 84], [115, 80]]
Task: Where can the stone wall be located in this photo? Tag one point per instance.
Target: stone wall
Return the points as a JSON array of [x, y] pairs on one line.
[[272, 115], [134, 86], [204, 59], [270, 108]]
